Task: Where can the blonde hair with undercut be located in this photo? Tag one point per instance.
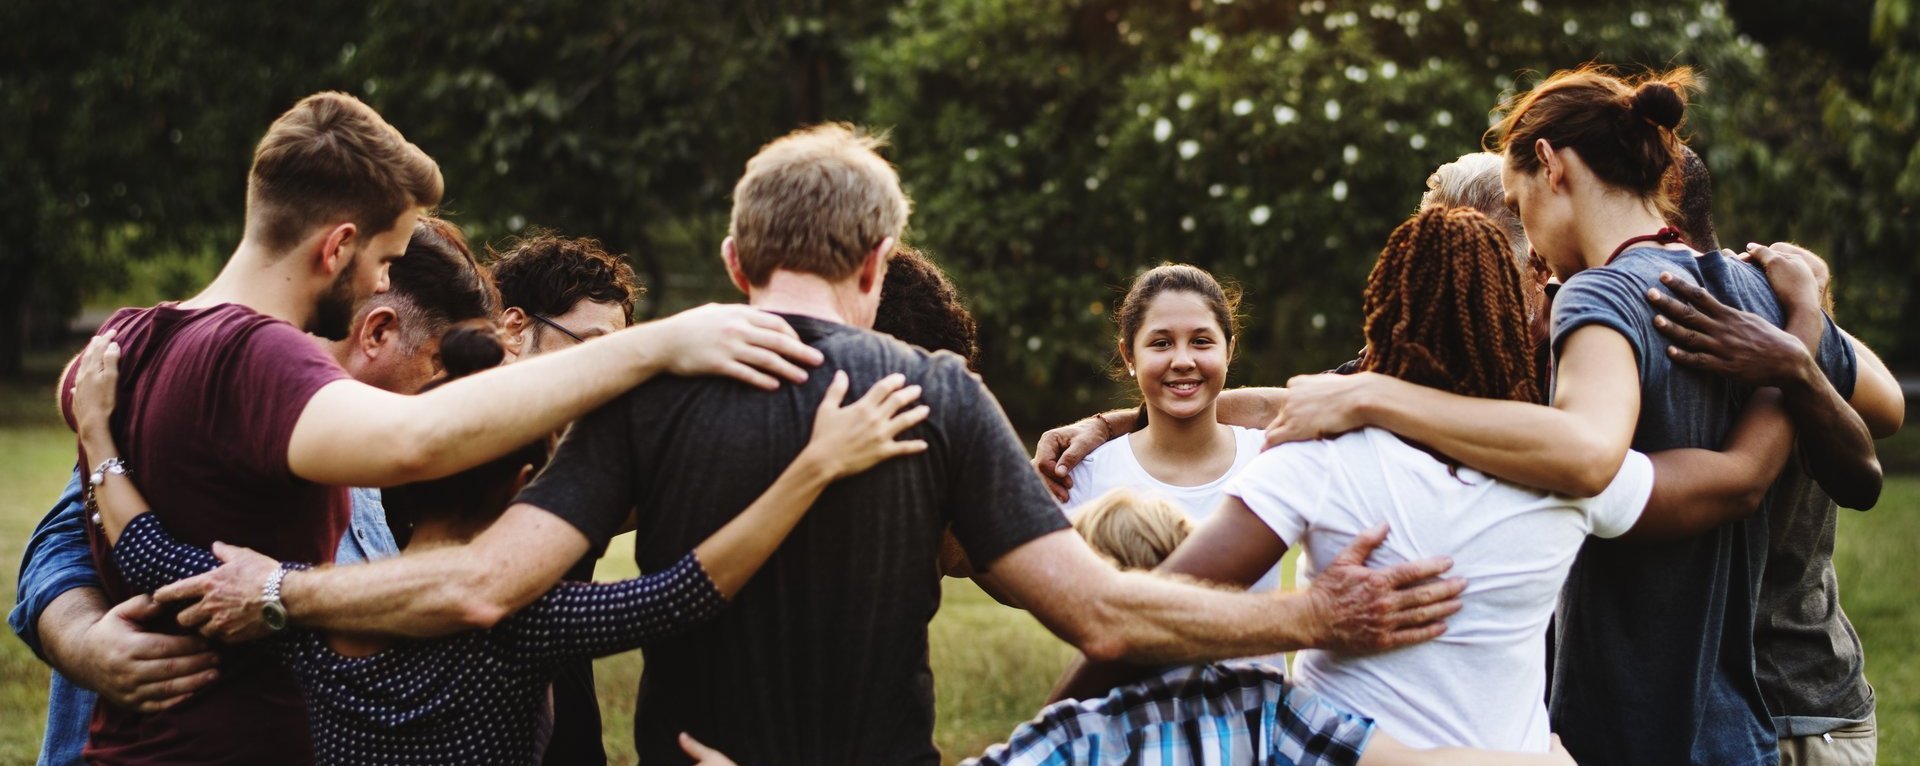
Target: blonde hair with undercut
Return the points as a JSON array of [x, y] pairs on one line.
[[815, 201], [1132, 530]]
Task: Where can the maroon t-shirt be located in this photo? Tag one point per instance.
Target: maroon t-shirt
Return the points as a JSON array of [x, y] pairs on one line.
[[207, 403]]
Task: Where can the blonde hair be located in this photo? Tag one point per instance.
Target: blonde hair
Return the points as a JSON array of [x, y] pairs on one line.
[[332, 158], [816, 201], [1132, 530]]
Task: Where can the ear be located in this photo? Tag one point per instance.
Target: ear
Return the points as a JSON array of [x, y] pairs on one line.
[[379, 328], [331, 258], [734, 272], [513, 326], [1550, 162], [873, 269]]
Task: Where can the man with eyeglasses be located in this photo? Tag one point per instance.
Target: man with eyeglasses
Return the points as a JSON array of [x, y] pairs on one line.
[[558, 292]]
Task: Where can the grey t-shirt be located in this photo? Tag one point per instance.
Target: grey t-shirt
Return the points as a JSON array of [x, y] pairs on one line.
[[1812, 669], [1654, 652], [822, 657]]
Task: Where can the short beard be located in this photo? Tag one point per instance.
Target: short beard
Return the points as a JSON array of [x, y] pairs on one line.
[[333, 315]]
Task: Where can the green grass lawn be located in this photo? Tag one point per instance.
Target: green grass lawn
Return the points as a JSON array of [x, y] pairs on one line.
[[993, 665]]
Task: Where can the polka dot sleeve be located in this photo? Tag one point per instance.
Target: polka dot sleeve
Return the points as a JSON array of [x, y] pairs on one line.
[[602, 618], [149, 558]]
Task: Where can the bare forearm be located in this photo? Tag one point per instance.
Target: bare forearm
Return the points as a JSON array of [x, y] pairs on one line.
[[436, 592], [463, 423], [1695, 490], [456, 439], [1835, 446], [1150, 618], [1876, 393], [117, 500], [1523, 443], [63, 623], [1249, 407], [733, 554]]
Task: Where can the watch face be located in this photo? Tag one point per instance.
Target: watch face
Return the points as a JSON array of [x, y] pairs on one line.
[[275, 615]]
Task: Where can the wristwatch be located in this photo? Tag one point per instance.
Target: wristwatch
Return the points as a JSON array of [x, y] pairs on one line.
[[272, 611]]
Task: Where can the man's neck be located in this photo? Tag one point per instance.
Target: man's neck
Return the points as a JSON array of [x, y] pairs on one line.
[[810, 295], [259, 280]]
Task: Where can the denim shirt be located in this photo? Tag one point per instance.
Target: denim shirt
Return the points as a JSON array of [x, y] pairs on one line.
[[57, 560], [368, 538]]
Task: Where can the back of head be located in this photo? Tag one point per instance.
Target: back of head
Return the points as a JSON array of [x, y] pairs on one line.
[[1474, 181], [332, 158], [1692, 192], [1625, 130], [815, 201], [548, 274], [478, 494], [1132, 530], [438, 283], [919, 305], [1444, 308]]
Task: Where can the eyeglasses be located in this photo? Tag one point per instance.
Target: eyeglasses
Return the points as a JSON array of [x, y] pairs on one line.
[[556, 325]]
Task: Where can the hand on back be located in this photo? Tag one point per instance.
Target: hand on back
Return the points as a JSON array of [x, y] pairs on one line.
[[227, 604], [747, 344], [850, 438], [96, 379], [1317, 406], [1712, 337], [138, 670], [1063, 448], [1362, 610]]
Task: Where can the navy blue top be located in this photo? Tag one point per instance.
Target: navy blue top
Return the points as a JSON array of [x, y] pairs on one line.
[[473, 697], [1654, 657]]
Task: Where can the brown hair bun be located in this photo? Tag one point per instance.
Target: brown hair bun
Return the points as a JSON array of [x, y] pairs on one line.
[[1658, 103], [469, 347]]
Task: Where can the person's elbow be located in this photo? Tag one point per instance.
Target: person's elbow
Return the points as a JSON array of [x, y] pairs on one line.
[[1861, 491], [1098, 630], [474, 600], [416, 453], [1592, 470], [1885, 420]]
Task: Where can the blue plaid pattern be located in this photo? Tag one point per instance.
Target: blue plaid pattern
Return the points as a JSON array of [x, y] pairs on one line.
[[1240, 713]]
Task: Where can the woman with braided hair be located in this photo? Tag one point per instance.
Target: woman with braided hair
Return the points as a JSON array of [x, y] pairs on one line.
[[1444, 308]]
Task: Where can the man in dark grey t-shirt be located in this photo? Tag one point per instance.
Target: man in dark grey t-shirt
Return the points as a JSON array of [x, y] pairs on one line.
[[822, 657]]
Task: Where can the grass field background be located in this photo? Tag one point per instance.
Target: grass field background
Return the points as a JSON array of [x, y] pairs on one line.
[[992, 665]]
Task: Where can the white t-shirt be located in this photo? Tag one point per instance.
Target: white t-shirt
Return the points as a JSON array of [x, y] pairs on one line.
[[1482, 683], [1113, 465]]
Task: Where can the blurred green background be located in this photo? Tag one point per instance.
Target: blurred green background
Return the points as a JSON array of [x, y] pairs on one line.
[[1053, 147]]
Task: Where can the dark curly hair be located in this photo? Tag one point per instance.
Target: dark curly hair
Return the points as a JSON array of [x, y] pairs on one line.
[[545, 273], [1691, 187], [919, 305]]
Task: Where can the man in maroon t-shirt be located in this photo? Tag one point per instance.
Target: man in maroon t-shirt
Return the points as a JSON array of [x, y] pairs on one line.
[[241, 428]]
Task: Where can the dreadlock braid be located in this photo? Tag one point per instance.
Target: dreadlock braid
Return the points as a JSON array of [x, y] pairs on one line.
[[1444, 308]]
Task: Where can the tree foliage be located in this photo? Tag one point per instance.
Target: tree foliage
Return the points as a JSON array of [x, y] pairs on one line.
[[1053, 147]]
